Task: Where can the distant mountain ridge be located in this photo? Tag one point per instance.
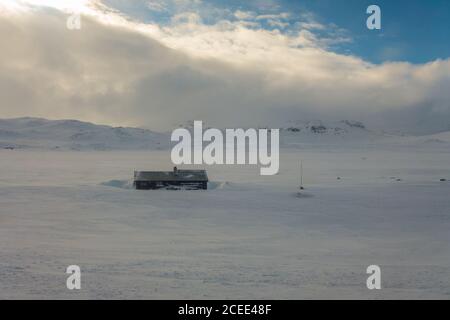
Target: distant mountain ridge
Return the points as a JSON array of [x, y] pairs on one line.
[[38, 133], [321, 127], [75, 135]]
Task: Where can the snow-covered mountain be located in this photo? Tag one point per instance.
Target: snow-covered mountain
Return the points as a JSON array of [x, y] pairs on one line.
[[300, 133], [75, 135], [328, 128], [24, 133], [353, 133]]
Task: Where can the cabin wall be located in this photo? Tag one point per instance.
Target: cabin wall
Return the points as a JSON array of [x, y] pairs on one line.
[[154, 185]]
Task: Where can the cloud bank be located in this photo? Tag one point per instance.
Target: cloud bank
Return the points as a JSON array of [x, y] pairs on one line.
[[232, 72]]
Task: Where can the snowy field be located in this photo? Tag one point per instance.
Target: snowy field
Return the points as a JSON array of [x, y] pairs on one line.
[[247, 236]]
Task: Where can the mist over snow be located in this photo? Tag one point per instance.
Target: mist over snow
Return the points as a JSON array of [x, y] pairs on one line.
[[230, 72]]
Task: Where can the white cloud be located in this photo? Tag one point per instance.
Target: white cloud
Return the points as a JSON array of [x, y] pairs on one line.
[[244, 15], [277, 23], [278, 16], [157, 5], [121, 72]]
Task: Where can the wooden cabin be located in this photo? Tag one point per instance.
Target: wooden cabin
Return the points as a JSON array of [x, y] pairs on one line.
[[171, 180]]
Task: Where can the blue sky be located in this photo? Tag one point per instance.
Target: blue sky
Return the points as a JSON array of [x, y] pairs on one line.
[[412, 30], [156, 63], [416, 31]]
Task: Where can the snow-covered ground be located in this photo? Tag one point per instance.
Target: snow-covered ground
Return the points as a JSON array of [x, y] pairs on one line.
[[246, 237]]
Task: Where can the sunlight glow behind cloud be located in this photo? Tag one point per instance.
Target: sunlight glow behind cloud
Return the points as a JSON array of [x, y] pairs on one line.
[[232, 71], [73, 5]]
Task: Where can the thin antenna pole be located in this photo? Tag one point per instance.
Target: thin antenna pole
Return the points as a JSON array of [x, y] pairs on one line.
[[301, 174]]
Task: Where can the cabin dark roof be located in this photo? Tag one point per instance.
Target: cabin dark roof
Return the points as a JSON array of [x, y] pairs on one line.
[[178, 175]]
